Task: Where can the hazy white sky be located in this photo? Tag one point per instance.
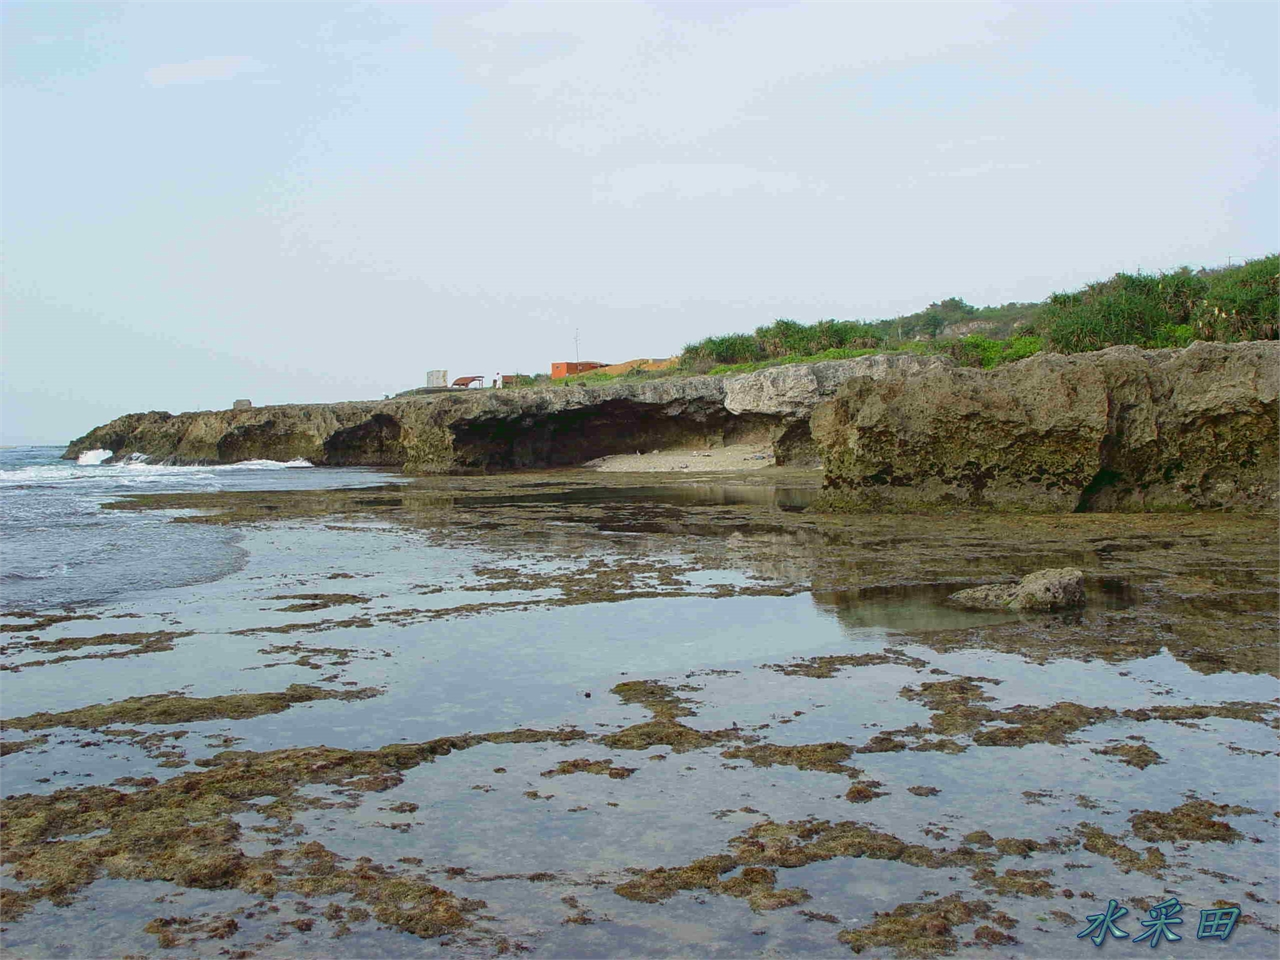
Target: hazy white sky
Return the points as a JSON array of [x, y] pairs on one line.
[[309, 202]]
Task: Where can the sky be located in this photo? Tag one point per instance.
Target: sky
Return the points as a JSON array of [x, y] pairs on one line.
[[295, 202]]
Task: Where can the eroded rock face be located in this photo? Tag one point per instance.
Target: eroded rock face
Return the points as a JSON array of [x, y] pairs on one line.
[[1120, 429], [1042, 591], [506, 429]]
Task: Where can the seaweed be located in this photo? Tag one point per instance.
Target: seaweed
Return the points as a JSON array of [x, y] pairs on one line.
[[162, 708], [920, 930]]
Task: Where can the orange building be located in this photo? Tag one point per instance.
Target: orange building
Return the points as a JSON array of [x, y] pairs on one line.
[[568, 368]]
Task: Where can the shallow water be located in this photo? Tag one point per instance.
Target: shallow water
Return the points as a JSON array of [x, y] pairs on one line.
[[60, 547], [463, 637], [788, 498]]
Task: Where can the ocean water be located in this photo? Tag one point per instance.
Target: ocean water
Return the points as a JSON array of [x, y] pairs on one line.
[[459, 634], [61, 548]]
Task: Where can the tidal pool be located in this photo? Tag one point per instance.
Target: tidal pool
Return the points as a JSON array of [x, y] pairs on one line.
[[449, 725]]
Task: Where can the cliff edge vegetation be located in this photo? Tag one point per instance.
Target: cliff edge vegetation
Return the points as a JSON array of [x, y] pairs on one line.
[[1174, 309], [1169, 309]]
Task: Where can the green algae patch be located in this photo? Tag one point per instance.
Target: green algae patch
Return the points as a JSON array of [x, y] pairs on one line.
[[38, 623], [826, 757], [801, 842], [940, 745], [156, 641], [828, 666], [681, 739], [1192, 820], [1016, 883], [953, 704], [337, 656], [884, 743], [918, 931], [601, 768], [958, 708], [1232, 710], [1096, 840], [1053, 724], [407, 903], [768, 846], [660, 699], [164, 708], [64, 644], [306, 626], [756, 885], [317, 601], [653, 886], [1135, 755], [865, 792], [17, 746], [183, 830]]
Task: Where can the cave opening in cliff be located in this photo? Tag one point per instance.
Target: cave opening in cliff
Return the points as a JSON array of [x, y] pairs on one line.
[[574, 437], [375, 442]]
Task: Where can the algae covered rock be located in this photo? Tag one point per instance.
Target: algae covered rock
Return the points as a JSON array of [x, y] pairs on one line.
[[1041, 591], [1118, 429]]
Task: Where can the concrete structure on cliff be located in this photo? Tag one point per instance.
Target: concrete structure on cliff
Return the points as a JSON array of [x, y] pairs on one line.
[[568, 368], [1120, 429]]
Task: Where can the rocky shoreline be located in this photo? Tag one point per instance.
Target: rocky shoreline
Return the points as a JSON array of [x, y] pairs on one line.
[[1117, 430], [440, 718]]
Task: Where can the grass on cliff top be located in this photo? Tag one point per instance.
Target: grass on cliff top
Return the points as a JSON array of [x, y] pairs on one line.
[[1226, 304], [971, 351], [1171, 309]]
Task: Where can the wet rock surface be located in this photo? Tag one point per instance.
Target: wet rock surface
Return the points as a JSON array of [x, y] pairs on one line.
[[1042, 591], [1120, 429], [794, 743], [505, 429]]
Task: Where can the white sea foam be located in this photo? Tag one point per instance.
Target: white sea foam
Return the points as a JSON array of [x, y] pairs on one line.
[[269, 464], [135, 470]]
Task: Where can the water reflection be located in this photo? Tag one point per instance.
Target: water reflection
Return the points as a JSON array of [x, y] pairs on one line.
[[792, 499], [915, 607]]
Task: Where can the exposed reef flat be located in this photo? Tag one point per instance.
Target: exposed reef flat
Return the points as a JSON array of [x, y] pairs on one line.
[[1120, 429], [719, 726]]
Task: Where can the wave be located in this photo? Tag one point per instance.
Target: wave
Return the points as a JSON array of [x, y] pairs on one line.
[[273, 464], [92, 457], [133, 471], [61, 570]]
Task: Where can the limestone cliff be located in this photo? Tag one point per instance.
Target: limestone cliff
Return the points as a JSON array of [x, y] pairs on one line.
[[501, 429], [1121, 429]]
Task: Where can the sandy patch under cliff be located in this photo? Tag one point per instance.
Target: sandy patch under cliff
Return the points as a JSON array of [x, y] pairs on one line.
[[723, 459]]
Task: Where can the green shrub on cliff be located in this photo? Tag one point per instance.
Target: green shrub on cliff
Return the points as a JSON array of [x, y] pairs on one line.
[[978, 351], [1167, 309], [1149, 310], [836, 353], [781, 339], [1242, 303]]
